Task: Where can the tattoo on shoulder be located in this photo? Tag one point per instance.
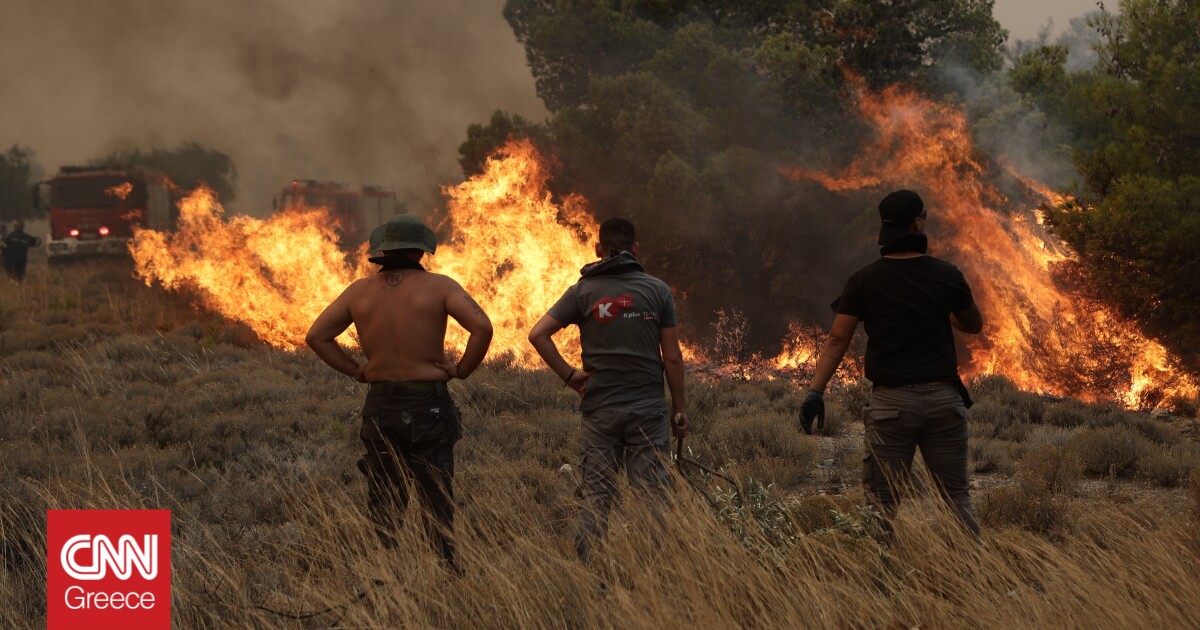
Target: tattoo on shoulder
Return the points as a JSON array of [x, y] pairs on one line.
[[474, 305], [394, 278]]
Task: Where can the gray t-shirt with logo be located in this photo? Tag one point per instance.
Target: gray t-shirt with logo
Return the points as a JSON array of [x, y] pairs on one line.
[[621, 311]]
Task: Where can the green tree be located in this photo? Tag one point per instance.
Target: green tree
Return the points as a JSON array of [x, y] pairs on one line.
[[678, 114], [188, 165], [483, 139], [18, 171], [1132, 121], [912, 40]]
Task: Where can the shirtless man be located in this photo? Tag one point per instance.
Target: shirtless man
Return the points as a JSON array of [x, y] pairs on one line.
[[410, 423]]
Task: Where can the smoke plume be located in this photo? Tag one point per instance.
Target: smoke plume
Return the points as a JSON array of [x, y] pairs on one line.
[[370, 91]]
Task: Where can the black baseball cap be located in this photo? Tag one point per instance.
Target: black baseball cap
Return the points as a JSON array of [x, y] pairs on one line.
[[898, 210]]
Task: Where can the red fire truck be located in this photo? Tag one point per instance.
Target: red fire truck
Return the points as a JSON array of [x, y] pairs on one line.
[[356, 211], [93, 210]]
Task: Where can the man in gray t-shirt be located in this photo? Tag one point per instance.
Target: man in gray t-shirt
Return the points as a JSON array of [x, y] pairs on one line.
[[626, 320]]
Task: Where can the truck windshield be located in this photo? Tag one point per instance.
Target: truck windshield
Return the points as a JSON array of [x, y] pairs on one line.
[[85, 192]]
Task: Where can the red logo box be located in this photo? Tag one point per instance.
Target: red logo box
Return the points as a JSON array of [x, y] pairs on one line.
[[108, 569]]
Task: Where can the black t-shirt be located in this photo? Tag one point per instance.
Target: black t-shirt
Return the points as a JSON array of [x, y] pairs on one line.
[[905, 306]]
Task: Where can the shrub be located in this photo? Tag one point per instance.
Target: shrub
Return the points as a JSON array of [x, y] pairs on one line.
[[988, 455], [1184, 405], [1068, 413], [857, 394], [1050, 469], [1154, 430], [33, 360], [1048, 435], [765, 448], [778, 389], [992, 386], [998, 420], [1110, 450], [1110, 419], [838, 417], [1033, 509], [1168, 468], [1194, 489], [127, 348], [998, 391], [492, 392]]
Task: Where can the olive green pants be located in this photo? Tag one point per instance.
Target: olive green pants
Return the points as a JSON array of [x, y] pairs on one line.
[[900, 420], [636, 438]]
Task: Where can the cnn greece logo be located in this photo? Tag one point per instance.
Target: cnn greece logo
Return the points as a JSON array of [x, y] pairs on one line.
[[121, 557], [108, 568]]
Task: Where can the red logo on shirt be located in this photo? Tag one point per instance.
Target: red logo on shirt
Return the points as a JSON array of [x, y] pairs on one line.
[[607, 309]]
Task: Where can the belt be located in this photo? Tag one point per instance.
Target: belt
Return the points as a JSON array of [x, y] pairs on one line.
[[929, 385], [391, 387]]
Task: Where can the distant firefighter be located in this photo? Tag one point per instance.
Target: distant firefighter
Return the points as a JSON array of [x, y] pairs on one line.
[[908, 302], [16, 250], [409, 422], [627, 330]]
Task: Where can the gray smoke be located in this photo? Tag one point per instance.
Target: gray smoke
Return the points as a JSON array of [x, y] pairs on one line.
[[362, 91]]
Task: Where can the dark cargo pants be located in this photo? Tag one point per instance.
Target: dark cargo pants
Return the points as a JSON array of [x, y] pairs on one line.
[[636, 438], [15, 267], [899, 420], [409, 431]]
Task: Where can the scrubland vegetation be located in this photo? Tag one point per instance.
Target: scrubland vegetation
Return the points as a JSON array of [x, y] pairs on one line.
[[114, 395]]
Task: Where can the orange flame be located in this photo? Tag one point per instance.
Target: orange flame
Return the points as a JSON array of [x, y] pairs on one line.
[[1036, 334], [275, 275], [120, 191], [514, 249], [802, 348]]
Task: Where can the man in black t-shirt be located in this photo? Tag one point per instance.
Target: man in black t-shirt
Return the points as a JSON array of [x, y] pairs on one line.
[[627, 331], [908, 302]]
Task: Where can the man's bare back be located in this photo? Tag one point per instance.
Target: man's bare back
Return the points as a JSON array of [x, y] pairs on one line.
[[400, 316]]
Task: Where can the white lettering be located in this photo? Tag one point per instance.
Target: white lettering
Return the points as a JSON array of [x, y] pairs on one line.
[[605, 309], [121, 558], [82, 599], [79, 600]]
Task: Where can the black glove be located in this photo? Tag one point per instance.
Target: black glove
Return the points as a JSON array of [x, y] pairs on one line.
[[813, 407]]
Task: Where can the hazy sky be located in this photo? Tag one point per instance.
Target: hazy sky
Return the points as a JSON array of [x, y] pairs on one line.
[[1024, 18], [362, 91]]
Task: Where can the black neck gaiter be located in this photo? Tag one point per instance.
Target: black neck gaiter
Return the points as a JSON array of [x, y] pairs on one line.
[[914, 242]]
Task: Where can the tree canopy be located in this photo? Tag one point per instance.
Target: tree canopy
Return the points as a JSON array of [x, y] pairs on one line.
[[187, 165], [18, 171], [677, 114], [1131, 121]]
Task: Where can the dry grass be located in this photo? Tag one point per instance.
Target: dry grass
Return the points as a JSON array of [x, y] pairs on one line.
[[121, 398]]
